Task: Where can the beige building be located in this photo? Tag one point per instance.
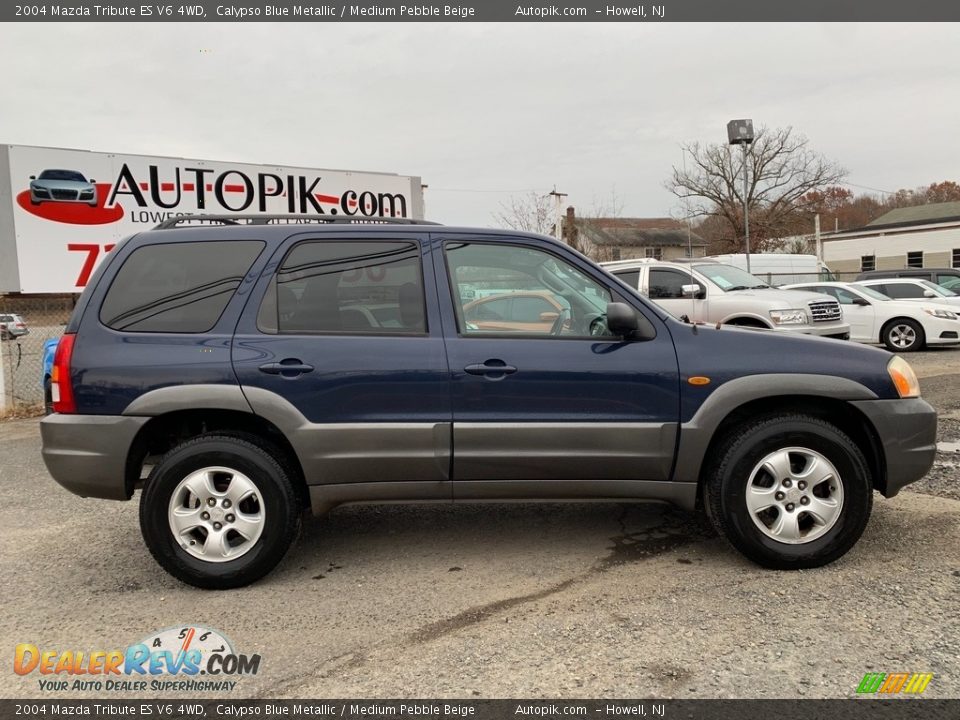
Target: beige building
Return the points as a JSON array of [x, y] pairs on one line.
[[604, 239], [921, 236]]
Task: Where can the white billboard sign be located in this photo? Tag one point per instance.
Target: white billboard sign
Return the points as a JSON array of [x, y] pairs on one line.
[[68, 208]]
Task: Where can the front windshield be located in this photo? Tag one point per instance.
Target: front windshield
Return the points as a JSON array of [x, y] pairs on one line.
[[937, 289], [728, 278], [62, 175], [871, 293]]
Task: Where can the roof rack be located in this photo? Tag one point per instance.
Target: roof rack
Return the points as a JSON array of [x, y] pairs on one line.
[[264, 219]]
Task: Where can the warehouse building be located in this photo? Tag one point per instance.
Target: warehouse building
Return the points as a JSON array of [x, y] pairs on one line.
[[921, 236]]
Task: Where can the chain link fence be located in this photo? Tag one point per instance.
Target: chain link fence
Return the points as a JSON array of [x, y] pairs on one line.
[[21, 356]]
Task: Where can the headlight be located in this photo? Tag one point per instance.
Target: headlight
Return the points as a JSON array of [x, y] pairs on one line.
[[945, 314], [904, 379], [788, 317]]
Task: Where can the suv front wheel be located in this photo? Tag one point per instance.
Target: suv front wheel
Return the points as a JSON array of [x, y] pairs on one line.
[[789, 492], [219, 511]]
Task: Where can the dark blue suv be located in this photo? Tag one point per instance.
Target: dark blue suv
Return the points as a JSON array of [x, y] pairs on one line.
[[244, 370]]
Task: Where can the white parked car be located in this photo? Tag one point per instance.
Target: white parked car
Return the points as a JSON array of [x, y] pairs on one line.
[[901, 325], [730, 296], [912, 289]]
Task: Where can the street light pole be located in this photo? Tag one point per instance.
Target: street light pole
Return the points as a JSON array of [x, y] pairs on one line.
[[746, 206], [740, 132]]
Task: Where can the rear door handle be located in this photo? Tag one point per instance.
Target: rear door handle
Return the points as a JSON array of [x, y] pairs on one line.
[[493, 369], [288, 367]]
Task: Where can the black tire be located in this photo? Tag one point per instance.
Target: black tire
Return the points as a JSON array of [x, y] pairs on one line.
[[901, 329], [259, 462], [742, 450]]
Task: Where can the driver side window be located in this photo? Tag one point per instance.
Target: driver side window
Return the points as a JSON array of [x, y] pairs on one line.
[[504, 289]]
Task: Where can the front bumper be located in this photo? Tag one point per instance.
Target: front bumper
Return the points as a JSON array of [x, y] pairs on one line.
[[908, 432], [830, 330], [87, 454], [839, 331]]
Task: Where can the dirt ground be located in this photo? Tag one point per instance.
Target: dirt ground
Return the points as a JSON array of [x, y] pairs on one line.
[[506, 600]]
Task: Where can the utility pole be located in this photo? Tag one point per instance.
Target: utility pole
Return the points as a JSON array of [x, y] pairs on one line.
[[558, 224], [746, 206], [816, 235]]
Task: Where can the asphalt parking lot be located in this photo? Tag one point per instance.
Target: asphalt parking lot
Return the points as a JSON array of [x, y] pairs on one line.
[[560, 600]]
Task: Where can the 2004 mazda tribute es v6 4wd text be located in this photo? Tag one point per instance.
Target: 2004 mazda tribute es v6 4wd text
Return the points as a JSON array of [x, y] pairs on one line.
[[243, 371]]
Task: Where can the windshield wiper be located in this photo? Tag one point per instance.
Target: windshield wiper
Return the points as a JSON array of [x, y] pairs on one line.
[[737, 287], [760, 287]]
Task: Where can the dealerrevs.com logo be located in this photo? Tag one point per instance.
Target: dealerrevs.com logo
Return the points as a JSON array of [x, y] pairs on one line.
[[72, 197], [191, 658]]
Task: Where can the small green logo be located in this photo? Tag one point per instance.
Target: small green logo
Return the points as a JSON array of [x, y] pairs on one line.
[[910, 683]]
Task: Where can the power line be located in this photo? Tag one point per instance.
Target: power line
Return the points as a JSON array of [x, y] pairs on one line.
[[867, 187]]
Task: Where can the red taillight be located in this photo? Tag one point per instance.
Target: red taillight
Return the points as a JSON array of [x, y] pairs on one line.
[[60, 384]]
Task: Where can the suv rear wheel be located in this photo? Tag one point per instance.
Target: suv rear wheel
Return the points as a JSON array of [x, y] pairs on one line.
[[219, 511], [790, 492]]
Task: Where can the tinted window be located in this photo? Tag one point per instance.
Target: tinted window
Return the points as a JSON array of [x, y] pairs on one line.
[[347, 287], [630, 277], [667, 284], [903, 290], [177, 287], [62, 175]]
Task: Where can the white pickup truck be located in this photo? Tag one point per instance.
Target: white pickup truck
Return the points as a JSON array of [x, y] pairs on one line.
[[727, 295]]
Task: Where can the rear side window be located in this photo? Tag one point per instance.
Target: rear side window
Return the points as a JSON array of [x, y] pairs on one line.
[[903, 290], [347, 287], [177, 287]]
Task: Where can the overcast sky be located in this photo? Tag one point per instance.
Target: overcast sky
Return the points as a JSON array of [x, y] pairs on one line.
[[481, 111]]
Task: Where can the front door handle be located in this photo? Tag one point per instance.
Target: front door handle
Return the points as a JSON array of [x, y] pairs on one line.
[[492, 369], [288, 367]]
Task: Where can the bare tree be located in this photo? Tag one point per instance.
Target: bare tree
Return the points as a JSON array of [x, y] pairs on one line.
[[801, 245], [531, 212], [782, 169]]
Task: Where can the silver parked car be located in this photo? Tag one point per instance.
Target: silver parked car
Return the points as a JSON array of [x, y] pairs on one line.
[[62, 186], [726, 295], [12, 327]]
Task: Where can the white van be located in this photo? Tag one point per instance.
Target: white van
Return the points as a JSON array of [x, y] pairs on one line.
[[780, 268]]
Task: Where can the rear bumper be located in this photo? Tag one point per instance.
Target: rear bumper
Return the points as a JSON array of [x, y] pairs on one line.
[[87, 454], [908, 430]]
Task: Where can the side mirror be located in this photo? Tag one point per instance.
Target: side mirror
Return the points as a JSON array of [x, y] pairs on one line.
[[694, 291], [549, 316], [622, 319], [929, 294], [860, 301], [33, 177], [91, 181]]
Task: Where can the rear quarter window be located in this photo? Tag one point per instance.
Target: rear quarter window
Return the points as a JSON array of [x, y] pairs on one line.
[[177, 287]]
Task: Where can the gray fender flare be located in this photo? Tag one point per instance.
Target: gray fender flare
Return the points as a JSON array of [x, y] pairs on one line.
[[186, 397], [696, 434]]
